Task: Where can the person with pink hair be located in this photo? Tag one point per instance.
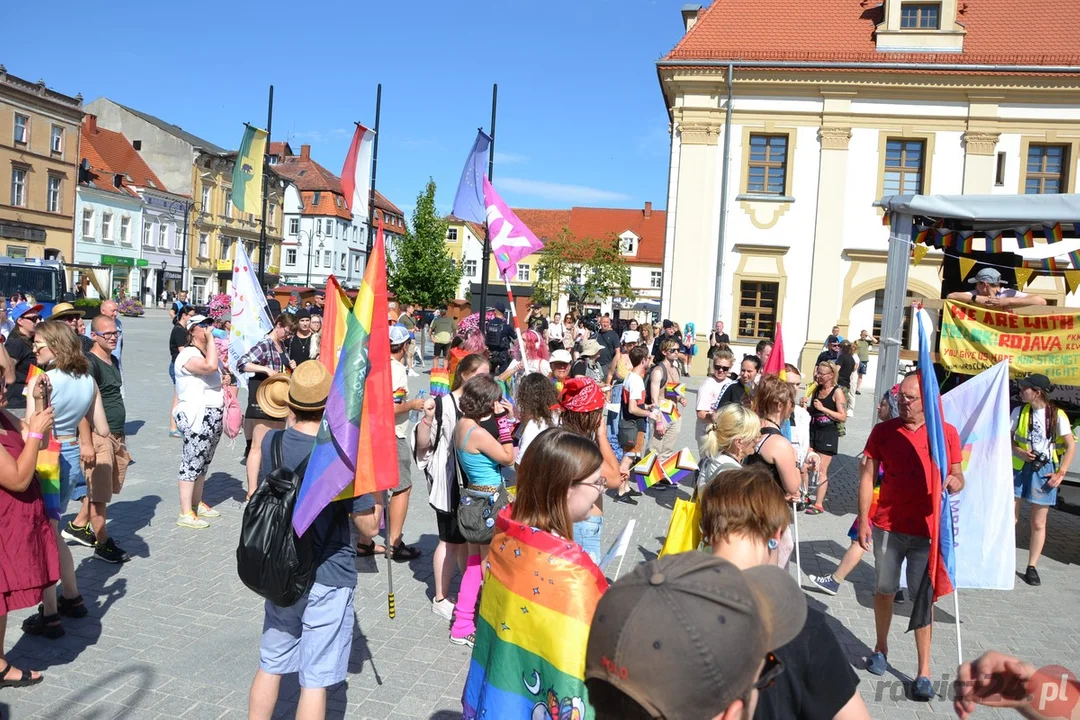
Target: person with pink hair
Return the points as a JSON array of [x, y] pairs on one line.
[[536, 356]]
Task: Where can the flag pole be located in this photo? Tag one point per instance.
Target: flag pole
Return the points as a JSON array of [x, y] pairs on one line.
[[374, 173], [487, 234], [798, 554], [266, 177]]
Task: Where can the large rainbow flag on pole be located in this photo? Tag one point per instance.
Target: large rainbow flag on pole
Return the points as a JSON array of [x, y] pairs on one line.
[[539, 598], [335, 324], [359, 420]]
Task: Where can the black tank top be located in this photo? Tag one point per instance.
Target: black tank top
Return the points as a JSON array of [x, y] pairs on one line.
[[817, 417], [757, 459]]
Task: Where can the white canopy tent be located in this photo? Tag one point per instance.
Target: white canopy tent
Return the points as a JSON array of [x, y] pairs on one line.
[[960, 212]]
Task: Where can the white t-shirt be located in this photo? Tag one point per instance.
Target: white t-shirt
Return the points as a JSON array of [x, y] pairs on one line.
[[532, 429], [708, 395], [555, 331], [1010, 293], [399, 380], [1040, 443], [200, 390], [633, 388]]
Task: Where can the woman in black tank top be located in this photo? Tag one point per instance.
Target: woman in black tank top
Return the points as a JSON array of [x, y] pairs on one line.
[[773, 401], [827, 408]]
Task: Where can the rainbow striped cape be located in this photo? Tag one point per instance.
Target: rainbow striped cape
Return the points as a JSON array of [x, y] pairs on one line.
[[539, 596], [440, 382]]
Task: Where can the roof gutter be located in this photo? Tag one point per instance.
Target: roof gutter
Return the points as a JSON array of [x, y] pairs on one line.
[[808, 64], [718, 283]]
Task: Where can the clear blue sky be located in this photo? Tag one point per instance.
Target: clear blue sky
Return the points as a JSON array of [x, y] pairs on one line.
[[581, 118]]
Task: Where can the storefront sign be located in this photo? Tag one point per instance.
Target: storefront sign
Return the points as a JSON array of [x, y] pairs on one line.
[[171, 275], [974, 339], [114, 260]]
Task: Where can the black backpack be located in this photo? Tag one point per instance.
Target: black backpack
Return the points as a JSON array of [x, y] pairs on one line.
[[270, 559], [495, 335]]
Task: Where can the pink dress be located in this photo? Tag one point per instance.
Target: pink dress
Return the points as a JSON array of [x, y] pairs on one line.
[[28, 559]]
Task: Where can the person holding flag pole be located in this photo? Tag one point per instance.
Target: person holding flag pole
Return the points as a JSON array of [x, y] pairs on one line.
[[921, 458]]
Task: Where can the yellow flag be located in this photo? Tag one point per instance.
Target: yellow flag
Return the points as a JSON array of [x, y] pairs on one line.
[[1072, 277], [920, 252], [248, 171], [966, 264], [1022, 276]]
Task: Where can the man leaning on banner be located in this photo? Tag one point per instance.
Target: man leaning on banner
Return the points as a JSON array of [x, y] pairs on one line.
[[906, 523]]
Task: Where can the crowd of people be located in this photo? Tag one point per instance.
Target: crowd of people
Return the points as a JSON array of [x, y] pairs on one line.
[[518, 455]]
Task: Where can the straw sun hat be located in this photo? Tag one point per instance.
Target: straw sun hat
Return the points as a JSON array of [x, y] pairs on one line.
[[305, 390]]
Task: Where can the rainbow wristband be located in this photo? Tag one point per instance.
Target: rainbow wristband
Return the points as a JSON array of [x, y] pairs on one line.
[[36, 435]]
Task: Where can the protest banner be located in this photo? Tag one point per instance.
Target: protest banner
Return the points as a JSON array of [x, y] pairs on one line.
[[974, 339]]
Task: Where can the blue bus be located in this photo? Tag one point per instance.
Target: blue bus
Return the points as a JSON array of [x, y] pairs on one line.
[[44, 279]]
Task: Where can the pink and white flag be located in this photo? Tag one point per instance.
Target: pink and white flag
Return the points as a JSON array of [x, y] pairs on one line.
[[511, 240], [356, 174]]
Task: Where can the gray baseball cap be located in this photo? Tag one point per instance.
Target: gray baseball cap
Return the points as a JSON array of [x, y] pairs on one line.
[[988, 275]]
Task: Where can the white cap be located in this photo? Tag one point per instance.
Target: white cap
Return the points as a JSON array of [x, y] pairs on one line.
[[399, 335], [196, 320], [561, 356]]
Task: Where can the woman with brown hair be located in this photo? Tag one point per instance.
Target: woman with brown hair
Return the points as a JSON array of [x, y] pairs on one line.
[[536, 404], [773, 402], [560, 479], [480, 458], [267, 357], [828, 408]]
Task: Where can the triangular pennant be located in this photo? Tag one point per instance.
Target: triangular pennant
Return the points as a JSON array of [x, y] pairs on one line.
[[1072, 277], [993, 241], [1023, 274], [922, 235], [1024, 237], [966, 265], [1052, 232], [965, 241], [919, 252], [1074, 257], [885, 218]]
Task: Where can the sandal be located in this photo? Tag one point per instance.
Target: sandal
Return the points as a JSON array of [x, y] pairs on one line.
[[39, 623], [73, 608], [814, 509], [401, 553], [26, 678], [369, 549]]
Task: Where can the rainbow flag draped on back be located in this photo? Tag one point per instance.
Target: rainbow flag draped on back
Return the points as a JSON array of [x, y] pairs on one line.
[[358, 424], [47, 467], [335, 324], [440, 382], [940, 578], [539, 596]]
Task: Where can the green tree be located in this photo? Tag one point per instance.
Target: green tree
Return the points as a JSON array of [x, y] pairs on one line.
[[420, 270], [585, 269]]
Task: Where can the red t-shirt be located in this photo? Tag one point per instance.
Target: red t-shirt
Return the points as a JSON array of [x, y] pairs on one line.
[[906, 501]]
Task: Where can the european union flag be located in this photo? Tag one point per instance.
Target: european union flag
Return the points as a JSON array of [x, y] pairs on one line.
[[469, 201]]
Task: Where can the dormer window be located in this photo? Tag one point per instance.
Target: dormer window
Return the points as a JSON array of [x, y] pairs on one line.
[[920, 16], [628, 243]]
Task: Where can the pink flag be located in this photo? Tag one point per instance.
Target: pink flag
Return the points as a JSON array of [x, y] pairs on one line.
[[356, 174], [511, 240]]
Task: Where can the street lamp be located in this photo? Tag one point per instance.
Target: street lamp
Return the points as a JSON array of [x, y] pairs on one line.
[[310, 246]]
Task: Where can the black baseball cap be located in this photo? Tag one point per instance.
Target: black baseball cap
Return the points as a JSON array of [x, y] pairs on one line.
[[1036, 382], [685, 635], [832, 340]]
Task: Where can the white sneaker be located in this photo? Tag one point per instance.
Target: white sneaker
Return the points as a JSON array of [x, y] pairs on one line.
[[413, 373], [443, 608], [193, 521]]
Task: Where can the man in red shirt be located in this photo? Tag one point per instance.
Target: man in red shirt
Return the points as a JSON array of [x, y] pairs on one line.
[[905, 512]]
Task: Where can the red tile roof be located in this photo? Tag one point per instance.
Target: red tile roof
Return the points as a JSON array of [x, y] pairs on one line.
[[109, 154], [545, 224], [313, 179], [383, 204], [279, 149], [603, 223], [843, 31]]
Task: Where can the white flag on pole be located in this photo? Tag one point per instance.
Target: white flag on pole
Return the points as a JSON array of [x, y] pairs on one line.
[[250, 318], [983, 510]]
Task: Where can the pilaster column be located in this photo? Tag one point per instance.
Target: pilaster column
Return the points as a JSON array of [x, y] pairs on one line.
[[980, 161]]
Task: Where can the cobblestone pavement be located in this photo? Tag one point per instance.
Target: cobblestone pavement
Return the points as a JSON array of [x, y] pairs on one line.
[[174, 634]]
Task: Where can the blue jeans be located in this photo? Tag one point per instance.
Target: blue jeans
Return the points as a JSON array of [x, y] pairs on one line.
[[587, 535], [72, 479]]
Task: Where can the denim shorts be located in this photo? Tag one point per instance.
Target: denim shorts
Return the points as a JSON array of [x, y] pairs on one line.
[[1030, 485], [312, 637], [890, 551], [71, 474], [172, 373], [587, 535]]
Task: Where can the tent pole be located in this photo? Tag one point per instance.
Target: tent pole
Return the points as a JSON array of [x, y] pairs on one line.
[[892, 316]]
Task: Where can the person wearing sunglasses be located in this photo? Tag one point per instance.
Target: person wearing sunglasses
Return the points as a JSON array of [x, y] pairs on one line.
[[648, 656], [743, 516], [19, 348], [708, 396]]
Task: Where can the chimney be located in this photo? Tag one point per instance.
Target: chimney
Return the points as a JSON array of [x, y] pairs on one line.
[[648, 210], [91, 124], [690, 16], [305, 152]]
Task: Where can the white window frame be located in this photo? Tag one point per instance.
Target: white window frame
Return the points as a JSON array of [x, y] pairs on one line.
[[18, 186], [106, 226], [225, 245], [290, 256], [53, 196], [628, 244], [356, 262], [329, 228], [451, 235], [25, 127], [177, 239], [524, 272], [228, 203], [125, 230], [328, 259], [656, 279], [56, 139], [470, 268], [147, 234], [344, 259], [294, 226], [88, 223], [204, 245], [317, 258], [163, 236], [206, 198]]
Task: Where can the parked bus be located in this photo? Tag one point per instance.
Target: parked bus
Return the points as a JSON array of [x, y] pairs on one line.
[[44, 279]]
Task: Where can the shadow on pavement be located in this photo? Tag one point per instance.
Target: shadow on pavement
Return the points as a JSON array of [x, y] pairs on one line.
[[223, 486], [133, 427]]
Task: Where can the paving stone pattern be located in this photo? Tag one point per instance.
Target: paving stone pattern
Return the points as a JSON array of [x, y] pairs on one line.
[[175, 634]]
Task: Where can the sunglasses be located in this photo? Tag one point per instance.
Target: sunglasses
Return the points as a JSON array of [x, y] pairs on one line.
[[721, 368], [39, 346], [31, 318], [769, 673]]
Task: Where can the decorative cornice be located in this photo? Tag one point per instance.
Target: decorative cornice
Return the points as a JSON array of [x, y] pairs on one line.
[[834, 138], [699, 126], [760, 250], [981, 143]]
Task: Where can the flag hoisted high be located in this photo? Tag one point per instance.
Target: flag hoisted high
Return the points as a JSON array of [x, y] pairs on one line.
[[335, 324], [511, 239], [250, 318], [469, 201], [775, 366], [247, 176], [356, 174], [940, 578], [358, 423]]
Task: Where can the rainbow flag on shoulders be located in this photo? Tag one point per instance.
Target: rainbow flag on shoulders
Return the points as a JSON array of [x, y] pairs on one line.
[[440, 382], [540, 593], [358, 424], [675, 390]]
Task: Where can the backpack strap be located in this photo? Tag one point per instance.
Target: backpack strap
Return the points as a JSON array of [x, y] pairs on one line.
[[276, 454]]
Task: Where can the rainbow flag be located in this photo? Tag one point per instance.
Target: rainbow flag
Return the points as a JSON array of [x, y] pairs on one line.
[[47, 467], [455, 357], [1074, 256], [670, 410], [679, 466], [400, 395], [507, 392], [921, 235], [647, 471], [540, 593], [440, 382], [965, 241], [558, 386], [335, 324], [1052, 232], [674, 390], [358, 424], [994, 242], [1024, 237]]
